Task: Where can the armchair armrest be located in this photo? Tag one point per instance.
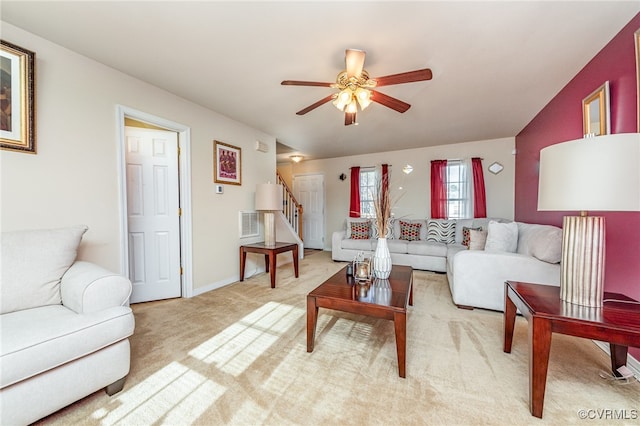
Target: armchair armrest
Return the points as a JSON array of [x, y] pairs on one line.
[[87, 287]]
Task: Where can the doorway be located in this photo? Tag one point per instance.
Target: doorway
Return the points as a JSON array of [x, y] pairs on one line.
[[155, 208]]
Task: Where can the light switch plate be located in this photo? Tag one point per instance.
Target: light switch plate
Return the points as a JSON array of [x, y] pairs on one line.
[[219, 189]]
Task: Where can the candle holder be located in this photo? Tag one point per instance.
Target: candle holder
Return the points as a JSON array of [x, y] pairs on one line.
[[362, 268]]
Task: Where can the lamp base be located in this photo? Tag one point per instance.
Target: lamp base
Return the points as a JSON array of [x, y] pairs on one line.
[[269, 229], [582, 267]]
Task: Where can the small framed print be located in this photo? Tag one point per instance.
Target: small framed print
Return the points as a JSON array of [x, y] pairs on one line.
[[227, 163], [17, 98]]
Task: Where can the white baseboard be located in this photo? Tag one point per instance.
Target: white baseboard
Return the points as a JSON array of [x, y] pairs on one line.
[[632, 363]]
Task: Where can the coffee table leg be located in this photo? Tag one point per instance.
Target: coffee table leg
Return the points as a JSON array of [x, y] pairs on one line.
[[539, 345], [400, 324], [618, 357], [509, 320], [312, 316]]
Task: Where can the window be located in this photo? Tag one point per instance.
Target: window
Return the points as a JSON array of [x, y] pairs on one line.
[[368, 188], [458, 192]]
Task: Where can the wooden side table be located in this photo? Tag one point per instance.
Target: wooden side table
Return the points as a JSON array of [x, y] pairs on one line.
[[616, 322], [270, 255]]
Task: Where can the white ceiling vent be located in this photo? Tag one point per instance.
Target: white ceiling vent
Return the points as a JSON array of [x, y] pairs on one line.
[[249, 225]]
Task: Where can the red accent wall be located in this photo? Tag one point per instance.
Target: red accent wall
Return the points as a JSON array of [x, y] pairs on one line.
[[561, 120]]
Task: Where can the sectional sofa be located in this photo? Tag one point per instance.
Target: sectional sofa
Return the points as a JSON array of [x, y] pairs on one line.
[[478, 255]]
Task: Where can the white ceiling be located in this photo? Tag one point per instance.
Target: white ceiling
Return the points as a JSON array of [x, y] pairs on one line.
[[495, 64]]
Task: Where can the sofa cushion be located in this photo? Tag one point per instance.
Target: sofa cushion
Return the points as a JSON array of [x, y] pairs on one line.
[[427, 248], [362, 245], [33, 263], [502, 237], [441, 230], [39, 339], [477, 239], [397, 246]]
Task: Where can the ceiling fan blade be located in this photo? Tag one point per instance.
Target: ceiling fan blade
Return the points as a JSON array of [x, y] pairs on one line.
[[404, 77], [354, 60], [315, 105], [305, 83], [349, 118], [389, 102]]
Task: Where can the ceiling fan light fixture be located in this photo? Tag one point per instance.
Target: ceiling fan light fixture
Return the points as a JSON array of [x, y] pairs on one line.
[[364, 97], [352, 107], [343, 99]]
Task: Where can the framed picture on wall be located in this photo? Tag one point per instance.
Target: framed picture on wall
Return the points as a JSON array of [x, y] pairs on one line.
[[636, 36], [17, 98], [227, 163]]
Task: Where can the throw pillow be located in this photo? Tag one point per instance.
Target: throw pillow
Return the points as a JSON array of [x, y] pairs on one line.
[[351, 220], [477, 239], [33, 262], [465, 234], [360, 230], [441, 231], [390, 225], [502, 237], [410, 231], [547, 244]]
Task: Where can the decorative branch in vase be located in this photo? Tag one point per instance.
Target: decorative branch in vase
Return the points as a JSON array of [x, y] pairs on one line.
[[382, 204]]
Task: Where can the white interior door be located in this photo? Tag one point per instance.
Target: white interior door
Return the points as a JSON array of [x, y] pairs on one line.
[[309, 191], [153, 216]]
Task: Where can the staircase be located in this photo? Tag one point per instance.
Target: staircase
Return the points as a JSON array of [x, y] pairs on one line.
[[291, 208]]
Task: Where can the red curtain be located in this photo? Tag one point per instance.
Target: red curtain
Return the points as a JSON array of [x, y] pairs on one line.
[[439, 189], [479, 195], [354, 204]]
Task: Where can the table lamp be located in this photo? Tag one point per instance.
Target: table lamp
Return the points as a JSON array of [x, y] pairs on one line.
[[599, 174], [269, 200]]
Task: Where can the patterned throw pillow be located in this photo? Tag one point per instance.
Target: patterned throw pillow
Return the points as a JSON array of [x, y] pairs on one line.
[[441, 231], [465, 235], [360, 230], [410, 231], [389, 235]]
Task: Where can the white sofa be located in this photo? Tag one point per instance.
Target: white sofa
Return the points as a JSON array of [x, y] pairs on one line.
[[476, 276], [64, 325]]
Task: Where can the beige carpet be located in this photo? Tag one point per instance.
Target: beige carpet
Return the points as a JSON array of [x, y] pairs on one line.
[[238, 356]]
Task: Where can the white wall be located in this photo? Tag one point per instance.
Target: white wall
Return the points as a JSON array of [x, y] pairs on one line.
[[73, 179], [414, 201]]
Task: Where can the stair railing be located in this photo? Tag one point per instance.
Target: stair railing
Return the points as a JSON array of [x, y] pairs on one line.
[[291, 208]]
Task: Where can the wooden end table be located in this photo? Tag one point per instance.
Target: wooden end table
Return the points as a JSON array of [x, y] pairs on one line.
[[270, 255], [341, 293], [616, 322]]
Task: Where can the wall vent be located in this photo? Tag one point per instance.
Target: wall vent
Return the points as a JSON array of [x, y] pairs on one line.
[[249, 225]]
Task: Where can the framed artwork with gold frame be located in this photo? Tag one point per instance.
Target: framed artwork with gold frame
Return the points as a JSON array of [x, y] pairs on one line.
[[17, 98], [596, 119], [227, 163]]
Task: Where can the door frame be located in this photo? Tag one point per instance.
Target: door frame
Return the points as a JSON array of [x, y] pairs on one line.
[[184, 176]]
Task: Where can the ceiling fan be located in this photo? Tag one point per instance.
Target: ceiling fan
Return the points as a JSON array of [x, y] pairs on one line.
[[356, 88]]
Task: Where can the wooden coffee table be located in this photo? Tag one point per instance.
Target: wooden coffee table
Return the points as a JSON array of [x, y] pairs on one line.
[[616, 322], [342, 294]]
